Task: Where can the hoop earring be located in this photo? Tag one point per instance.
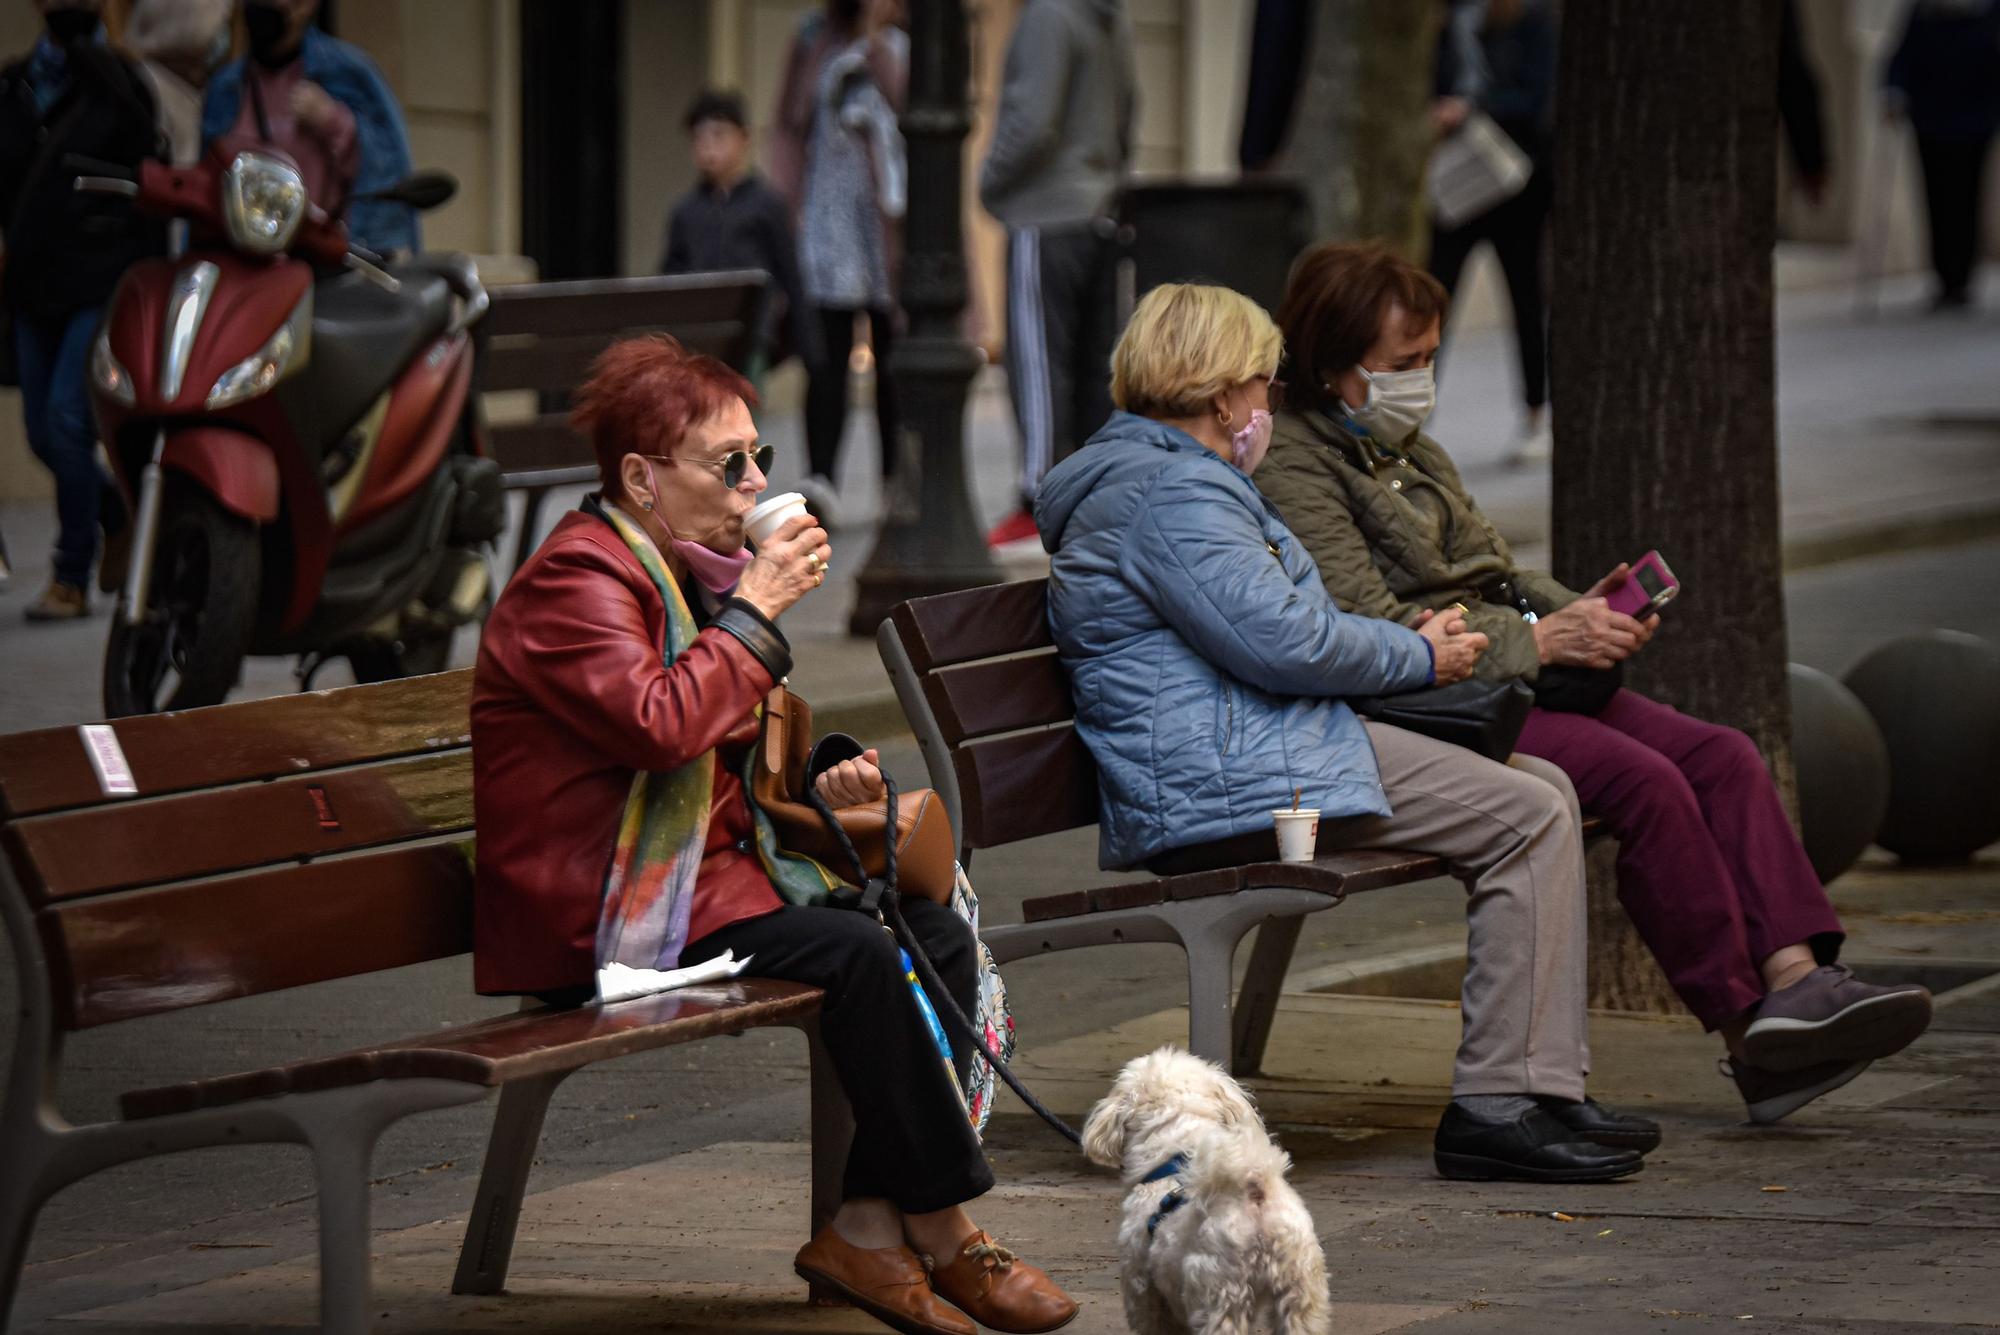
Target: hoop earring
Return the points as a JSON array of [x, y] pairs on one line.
[[1225, 417]]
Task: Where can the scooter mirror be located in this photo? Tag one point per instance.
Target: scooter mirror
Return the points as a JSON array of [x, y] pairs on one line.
[[420, 190]]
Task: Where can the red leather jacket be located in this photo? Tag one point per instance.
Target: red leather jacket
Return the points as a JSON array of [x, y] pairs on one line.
[[569, 699]]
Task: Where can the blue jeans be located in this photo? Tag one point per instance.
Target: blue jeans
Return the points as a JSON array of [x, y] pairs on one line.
[[53, 358]]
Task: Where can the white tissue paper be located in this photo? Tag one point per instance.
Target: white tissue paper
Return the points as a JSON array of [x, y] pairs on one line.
[[622, 982]]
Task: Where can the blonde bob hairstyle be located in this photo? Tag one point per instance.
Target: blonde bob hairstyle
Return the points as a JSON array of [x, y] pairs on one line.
[[1189, 344]]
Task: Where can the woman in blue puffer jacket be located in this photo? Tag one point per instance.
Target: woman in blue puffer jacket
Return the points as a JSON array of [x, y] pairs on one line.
[[1209, 668]]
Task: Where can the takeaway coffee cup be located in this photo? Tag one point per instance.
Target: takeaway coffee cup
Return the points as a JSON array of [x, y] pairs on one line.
[[770, 516], [1298, 832]]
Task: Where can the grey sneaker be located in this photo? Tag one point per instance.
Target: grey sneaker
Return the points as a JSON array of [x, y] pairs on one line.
[[1773, 1095], [1830, 1016]]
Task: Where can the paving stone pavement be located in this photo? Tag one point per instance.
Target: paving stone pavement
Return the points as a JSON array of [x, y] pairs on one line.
[[668, 1194]]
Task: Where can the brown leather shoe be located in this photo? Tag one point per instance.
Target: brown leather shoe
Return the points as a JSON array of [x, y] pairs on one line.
[[888, 1283], [997, 1288]]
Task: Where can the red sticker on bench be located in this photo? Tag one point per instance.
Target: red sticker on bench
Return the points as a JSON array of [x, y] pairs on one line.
[[323, 807]]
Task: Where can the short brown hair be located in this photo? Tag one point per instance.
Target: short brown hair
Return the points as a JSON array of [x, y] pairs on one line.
[[1336, 299], [643, 395]]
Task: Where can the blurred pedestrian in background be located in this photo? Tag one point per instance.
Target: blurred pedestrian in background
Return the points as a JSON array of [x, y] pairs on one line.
[[1062, 142], [1498, 57], [1798, 108], [837, 153], [323, 102], [733, 219], [180, 44], [71, 94], [1944, 78]]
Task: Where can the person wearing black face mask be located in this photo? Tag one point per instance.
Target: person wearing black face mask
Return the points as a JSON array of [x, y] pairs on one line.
[[71, 94], [322, 102]]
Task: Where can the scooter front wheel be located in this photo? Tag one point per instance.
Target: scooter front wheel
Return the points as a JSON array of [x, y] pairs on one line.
[[189, 648]]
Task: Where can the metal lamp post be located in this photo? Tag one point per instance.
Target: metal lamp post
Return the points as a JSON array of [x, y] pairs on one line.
[[930, 541]]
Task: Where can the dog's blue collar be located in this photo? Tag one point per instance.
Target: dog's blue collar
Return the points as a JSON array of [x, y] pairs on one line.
[[1174, 1199]]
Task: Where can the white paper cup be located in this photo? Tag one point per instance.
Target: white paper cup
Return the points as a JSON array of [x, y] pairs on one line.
[[770, 516], [1298, 833]]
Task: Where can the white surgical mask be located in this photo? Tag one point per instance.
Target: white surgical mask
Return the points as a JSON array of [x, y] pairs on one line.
[[1398, 402]]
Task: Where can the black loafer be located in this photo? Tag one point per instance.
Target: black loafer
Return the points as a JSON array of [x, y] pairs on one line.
[[1533, 1147], [1605, 1126]]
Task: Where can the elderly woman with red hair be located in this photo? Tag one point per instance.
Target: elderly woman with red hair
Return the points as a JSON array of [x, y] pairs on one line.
[[614, 707]]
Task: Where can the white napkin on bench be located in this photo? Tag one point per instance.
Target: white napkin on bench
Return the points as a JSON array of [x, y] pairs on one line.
[[622, 982]]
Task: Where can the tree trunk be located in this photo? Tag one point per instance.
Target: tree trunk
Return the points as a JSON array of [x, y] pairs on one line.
[[1361, 133], [1662, 359]]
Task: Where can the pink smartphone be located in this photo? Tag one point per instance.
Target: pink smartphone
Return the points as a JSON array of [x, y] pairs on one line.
[[1651, 587]]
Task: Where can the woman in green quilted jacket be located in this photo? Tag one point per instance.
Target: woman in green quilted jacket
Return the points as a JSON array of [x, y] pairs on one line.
[[1708, 864]]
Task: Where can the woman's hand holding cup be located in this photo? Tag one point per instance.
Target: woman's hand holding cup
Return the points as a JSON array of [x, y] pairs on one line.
[[788, 567]]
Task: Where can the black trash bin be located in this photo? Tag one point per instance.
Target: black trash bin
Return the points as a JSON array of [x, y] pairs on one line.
[[1239, 234]]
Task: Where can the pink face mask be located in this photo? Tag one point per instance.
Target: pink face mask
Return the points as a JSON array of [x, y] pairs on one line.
[[718, 572], [1248, 446]]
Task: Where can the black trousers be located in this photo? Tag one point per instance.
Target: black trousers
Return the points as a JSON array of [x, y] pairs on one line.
[[1062, 321], [1515, 227], [1953, 170], [913, 1143], [826, 390]]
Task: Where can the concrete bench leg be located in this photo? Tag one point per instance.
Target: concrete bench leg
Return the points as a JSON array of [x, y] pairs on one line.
[[21, 1197], [1207, 929], [341, 1127], [1263, 982], [503, 1183]]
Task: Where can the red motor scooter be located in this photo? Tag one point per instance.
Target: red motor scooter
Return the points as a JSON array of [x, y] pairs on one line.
[[295, 431]]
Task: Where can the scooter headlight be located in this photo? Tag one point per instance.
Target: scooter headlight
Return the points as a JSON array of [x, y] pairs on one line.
[[107, 373], [263, 202], [284, 350]]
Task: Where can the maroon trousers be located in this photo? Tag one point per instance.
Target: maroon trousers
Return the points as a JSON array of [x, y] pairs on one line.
[[1708, 865]]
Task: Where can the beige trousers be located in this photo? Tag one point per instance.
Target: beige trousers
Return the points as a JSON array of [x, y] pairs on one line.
[[1512, 834]]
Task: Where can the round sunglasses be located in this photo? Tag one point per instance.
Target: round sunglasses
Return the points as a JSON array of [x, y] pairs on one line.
[[733, 464]]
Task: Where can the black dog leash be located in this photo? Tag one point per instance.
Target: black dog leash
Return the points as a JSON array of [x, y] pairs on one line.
[[879, 896]]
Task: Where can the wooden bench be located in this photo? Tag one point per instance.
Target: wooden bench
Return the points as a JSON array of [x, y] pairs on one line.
[[978, 678], [269, 845], [544, 336]]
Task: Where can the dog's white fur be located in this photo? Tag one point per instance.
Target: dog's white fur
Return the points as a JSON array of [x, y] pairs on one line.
[[1240, 1255]]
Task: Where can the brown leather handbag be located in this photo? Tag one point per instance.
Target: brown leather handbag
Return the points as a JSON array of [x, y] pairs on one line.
[[788, 762]]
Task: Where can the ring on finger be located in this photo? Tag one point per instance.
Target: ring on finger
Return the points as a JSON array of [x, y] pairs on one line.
[[813, 561]]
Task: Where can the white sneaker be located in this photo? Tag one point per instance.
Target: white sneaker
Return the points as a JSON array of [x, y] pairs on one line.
[[822, 500], [1533, 443]]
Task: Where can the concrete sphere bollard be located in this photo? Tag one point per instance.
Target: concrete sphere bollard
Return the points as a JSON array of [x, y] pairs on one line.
[[1936, 698], [1843, 771]]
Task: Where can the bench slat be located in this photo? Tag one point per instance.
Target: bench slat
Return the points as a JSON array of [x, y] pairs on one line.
[[963, 627], [546, 442], [1021, 786], [144, 952], [48, 770], [594, 305], [510, 1047], [980, 699], [558, 364], [1132, 895], [118, 847]]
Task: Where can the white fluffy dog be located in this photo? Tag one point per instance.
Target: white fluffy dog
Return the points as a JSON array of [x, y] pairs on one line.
[[1214, 1240]]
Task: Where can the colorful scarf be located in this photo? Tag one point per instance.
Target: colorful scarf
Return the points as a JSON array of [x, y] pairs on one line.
[[649, 890]]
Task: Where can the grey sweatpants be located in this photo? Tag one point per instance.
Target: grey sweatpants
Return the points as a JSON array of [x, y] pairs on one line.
[[1512, 834]]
